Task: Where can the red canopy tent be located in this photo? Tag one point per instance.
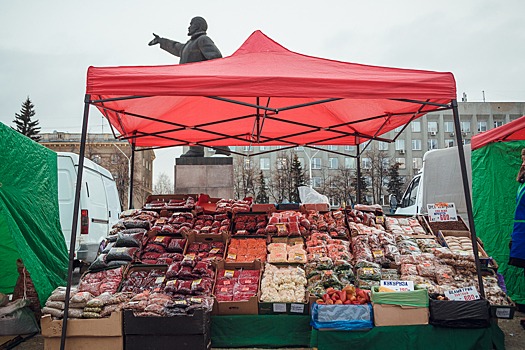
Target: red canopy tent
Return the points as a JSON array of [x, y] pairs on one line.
[[277, 97], [513, 131], [267, 95]]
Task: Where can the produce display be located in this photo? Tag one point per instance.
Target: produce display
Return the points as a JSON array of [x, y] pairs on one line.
[[285, 284], [169, 266]]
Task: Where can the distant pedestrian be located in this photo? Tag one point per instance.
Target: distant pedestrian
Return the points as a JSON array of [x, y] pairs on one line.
[[393, 204]]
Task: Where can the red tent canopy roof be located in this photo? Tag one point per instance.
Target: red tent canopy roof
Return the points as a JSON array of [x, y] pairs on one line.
[[175, 107], [513, 131]]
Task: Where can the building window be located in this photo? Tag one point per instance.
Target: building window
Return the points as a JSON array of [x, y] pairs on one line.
[[350, 148], [247, 163], [115, 158], [350, 163], [417, 163], [333, 163], [416, 145], [368, 181], [465, 127], [402, 163], [265, 163], [449, 143], [416, 126], [316, 181], [448, 126], [366, 163], [334, 202], [332, 148], [281, 163], [432, 144], [385, 163], [432, 127], [399, 128], [466, 141], [382, 146], [482, 126], [247, 148], [400, 145], [232, 148], [316, 163], [301, 160], [264, 148], [299, 148], [498, 123]]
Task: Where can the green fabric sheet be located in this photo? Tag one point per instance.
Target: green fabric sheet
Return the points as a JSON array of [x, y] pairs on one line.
[[494, 187], [263, 331], [416, 298], [29, 217], [411, 337]]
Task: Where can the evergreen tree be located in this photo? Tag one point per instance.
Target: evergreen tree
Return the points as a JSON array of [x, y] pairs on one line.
[[298, 179], [363, 187], [24, 123], [262, 194], [395, 182]]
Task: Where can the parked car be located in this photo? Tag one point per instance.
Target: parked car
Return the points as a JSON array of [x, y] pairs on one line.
[[99, 205]]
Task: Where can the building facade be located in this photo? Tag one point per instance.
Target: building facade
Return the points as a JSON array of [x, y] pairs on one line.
[[432, 131], [114, 155]]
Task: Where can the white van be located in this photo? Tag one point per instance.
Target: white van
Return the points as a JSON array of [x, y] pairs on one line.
[[439, 180], [99, 204]]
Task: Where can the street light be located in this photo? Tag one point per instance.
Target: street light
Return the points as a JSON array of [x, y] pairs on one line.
[[310, 166]]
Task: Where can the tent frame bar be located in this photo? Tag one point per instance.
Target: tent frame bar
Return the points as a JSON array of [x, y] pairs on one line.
[[468, 200], [76, 209]]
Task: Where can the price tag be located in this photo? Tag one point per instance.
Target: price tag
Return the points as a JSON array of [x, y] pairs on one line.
[[229, 273], [399, 286], [297, 308], [380, 219], [248, 281], [279, 307], [442, 212], [159, 238], [464, 294], [377, 253], [503, 312], [232, 256], [159, 280], [196, 300], [214, 251]]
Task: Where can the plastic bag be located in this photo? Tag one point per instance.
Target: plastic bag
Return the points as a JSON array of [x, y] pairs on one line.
[[311, 196], [122, 254]]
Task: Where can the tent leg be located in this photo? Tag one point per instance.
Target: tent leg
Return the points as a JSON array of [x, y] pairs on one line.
[[358, 181], [466, 189], [132, 175], [75, 219]]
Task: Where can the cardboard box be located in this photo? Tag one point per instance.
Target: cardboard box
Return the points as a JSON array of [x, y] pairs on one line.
[[84, 334], [249, 307], [263, 208], [321, 207], [503, 311], [197, 323], [399, 315]]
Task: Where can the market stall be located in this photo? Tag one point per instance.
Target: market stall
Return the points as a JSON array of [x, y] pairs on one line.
[[300, 101], [496, 159]]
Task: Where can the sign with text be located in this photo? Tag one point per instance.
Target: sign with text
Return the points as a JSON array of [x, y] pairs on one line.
[[442, 212], [463, 294], [398, 286]]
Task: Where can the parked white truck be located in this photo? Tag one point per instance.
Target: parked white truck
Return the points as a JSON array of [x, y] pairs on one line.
[[99, 204], [439, 180]]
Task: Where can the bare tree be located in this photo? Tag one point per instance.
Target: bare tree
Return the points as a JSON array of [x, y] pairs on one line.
[[377, 169], [244, 177], [342, 185], [163, 184]]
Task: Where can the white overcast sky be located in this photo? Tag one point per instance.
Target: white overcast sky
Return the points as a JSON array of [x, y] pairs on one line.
[[47, 46]]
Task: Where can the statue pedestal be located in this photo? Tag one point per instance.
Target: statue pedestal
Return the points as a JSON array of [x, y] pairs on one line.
[[210, 175]]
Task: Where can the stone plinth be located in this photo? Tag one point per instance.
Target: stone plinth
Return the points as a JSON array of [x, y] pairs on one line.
[[210, 175]]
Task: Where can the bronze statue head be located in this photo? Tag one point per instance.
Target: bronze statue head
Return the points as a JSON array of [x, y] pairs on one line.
[[197, 24]]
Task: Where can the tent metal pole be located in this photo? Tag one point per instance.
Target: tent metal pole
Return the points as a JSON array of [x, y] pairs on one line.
[[358, 192], [468, 200], [76, 210], [132, 174]]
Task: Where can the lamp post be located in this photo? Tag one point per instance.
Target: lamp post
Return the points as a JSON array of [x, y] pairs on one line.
[[310, 165]]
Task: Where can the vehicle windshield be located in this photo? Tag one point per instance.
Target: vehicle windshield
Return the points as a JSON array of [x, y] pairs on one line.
[[409, 198]]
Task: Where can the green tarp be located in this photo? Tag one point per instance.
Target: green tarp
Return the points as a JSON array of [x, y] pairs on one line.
[[494, 187], [29, 217]]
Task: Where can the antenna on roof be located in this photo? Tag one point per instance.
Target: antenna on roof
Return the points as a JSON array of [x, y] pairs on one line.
[[483, 92], [464, 98]]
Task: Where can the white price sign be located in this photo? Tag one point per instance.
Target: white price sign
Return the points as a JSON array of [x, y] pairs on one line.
[[398, 286], [442, 212], [279, 307], [297, 308], [463, 294]]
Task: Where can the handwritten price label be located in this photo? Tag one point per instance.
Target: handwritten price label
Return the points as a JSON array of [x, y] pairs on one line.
[[463, 294], [442, 212]]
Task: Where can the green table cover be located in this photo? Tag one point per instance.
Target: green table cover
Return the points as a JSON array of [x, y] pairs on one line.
[[262, 331], [274, 331], [412, 337]]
